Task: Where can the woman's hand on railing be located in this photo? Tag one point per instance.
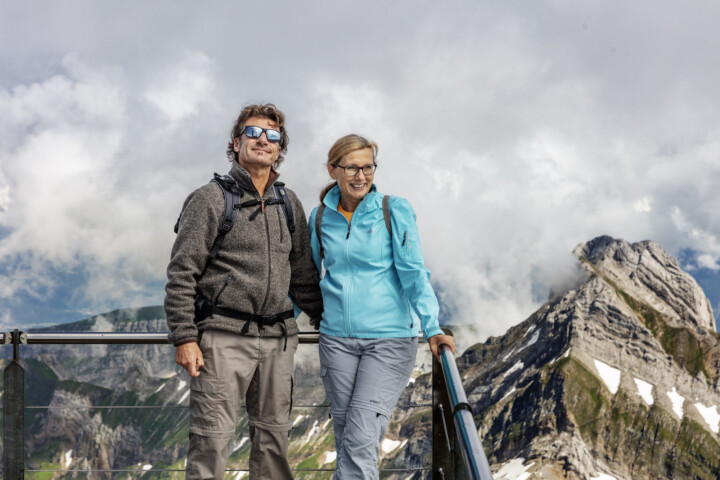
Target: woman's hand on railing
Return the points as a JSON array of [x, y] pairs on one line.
[[436, 340], [189, 356]]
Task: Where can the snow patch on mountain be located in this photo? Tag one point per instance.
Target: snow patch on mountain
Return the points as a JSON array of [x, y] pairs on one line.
[[609, 375]]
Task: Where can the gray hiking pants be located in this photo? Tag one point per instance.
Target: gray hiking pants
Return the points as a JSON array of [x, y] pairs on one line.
[[363, 379], [237, 366]]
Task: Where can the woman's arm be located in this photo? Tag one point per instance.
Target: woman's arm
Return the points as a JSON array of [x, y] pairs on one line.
[[414, 276]]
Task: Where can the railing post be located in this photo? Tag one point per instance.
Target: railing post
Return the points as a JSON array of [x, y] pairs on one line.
[[443, 428], [14, 414]]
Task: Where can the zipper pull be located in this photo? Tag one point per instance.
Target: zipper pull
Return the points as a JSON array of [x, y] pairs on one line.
[[227, 282], [348, 234], [404, 238]]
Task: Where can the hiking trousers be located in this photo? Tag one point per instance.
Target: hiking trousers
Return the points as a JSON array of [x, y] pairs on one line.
[[363, 379], [237, 366]]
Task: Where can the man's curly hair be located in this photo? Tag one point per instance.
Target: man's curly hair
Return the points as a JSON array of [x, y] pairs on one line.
[[268, 111]]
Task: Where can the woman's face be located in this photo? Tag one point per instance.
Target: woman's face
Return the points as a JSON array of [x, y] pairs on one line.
[[353, 189]]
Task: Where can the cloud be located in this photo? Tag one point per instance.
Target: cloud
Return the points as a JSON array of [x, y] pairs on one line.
[[178, 91], [75, 195], [516, 131]]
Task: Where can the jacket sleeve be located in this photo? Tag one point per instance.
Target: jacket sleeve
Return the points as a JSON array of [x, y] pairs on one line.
[[304, 280], [197, 230], [314, 243], [410, 266]]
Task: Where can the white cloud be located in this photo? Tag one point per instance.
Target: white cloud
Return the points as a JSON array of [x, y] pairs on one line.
[[643, 204], [516, 132], [177, 91]]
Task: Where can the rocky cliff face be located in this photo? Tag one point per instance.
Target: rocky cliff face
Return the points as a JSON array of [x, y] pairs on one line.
[[616, 377]]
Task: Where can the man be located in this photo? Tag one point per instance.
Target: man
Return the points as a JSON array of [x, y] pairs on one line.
[[242, 340]]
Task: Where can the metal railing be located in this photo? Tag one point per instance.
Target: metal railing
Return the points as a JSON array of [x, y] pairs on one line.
[[453, 426]]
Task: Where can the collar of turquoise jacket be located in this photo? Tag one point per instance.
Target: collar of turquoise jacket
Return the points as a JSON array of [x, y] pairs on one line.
[[370, 201]]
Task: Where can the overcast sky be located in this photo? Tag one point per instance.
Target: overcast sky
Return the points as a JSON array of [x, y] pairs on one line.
[[516, 129]]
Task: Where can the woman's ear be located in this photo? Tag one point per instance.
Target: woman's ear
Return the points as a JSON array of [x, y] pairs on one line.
[[331, 170]]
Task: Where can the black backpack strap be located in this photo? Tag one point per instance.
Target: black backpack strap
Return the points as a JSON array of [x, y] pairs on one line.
[[318, 224], [281, 194], [386, 214], [232, 194]]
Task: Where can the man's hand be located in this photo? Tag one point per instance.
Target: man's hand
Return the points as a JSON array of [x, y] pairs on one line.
[[189, 356], [436, 340]]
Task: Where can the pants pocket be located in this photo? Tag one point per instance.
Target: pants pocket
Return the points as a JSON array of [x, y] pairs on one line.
[[204, 403], [327, 384]]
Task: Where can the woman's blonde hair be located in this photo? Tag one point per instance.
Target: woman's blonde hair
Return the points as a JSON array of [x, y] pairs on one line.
[[345, 145]]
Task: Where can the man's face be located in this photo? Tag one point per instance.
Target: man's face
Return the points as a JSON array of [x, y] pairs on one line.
[[257, 152]]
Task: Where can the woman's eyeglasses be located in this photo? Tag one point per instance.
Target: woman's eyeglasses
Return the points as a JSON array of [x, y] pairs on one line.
[[351, 171], [273, 136]]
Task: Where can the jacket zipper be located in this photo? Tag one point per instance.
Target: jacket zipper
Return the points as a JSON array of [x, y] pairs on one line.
[[281, 215], [217, 297], [349, 278], [269, 262]]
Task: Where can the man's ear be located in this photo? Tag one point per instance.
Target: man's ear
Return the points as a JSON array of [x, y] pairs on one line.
[[236, 144]]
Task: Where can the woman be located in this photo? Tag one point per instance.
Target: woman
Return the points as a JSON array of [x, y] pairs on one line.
[[374, 285]]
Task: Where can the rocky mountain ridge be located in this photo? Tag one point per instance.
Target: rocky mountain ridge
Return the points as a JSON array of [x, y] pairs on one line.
[[616, 378]]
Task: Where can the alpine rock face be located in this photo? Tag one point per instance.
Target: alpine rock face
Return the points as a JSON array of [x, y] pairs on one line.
[[617, 378]]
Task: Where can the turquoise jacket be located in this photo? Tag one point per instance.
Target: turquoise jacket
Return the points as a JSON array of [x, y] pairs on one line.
[[373, 287]]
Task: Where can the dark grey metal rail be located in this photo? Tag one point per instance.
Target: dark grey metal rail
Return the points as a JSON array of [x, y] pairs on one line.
[[451, 411], [113, 338], [473, 454]]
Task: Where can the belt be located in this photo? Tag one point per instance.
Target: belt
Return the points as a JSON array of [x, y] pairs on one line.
[[261, 320]]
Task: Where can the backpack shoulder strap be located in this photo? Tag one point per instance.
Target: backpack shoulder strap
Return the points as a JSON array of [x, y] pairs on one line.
[[318, 225], [386, 214], [232, 194], [281, 194]]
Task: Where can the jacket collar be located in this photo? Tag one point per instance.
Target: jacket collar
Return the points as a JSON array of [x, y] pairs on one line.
[[242, 177], [370, 201]]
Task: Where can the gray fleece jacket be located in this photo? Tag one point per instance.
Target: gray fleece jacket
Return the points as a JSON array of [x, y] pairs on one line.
[[255, 269]]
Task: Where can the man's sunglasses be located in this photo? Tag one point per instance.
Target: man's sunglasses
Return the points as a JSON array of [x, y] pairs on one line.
[[273, 136]]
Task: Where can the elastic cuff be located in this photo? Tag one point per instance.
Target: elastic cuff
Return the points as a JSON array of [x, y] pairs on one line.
[[187, 340], [432, 333]]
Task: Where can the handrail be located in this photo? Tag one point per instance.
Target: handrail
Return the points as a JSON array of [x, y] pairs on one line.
[[114, 338], [473, 454]]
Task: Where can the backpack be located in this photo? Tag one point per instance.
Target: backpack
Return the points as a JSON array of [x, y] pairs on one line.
[[321, 209], [232, 193]]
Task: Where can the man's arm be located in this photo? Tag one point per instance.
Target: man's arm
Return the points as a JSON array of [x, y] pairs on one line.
[[304, 280], [196, 232]]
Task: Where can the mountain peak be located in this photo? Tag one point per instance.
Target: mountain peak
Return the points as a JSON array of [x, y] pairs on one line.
[[619, 376], [649, 274]]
